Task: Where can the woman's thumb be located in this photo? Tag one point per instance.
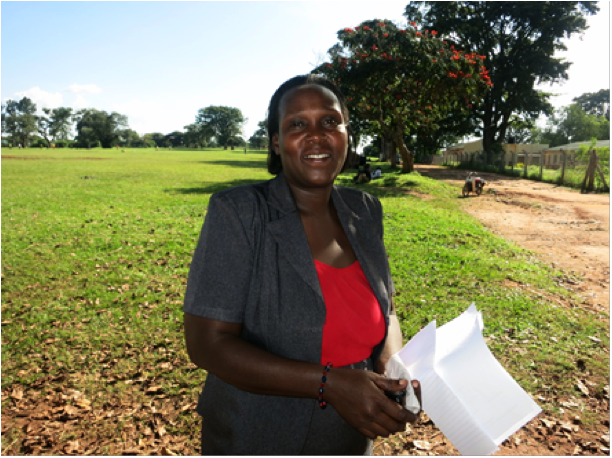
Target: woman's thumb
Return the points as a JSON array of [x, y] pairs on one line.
[[387, 384]]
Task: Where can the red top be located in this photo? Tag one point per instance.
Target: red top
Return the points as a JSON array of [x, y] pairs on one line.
[[354, 323]]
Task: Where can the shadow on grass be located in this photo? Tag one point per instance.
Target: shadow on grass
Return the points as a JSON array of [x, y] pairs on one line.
[[245, 164], [210, 187]]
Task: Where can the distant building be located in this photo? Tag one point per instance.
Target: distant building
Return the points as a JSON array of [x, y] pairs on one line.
[[553, 157], [473, 150]]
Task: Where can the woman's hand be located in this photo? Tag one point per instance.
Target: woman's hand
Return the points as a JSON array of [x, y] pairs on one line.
[[358, 397]]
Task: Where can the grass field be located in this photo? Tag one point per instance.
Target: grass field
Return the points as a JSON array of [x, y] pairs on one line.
[[96, 248]]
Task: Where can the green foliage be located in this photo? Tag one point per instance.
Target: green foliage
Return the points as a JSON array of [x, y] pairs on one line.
[[405, 82], [19, 120], [55, 124], [225, 123], [98, 127], [259, 139], [63, 143], [197, 135], [573, 123], [595, 103], [519, 40]]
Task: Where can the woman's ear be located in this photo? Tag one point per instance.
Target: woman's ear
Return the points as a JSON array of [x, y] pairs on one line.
[[275, 144]]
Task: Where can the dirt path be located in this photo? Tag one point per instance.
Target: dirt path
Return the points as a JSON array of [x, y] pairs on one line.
[[571, 232]]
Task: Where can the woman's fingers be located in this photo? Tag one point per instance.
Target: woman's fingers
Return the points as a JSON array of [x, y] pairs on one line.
[[387, 384]]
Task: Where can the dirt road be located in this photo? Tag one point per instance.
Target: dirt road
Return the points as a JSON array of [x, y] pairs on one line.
[[569, 230]]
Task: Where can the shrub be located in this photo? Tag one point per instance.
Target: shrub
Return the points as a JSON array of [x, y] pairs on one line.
[[64, 143], [39, 141]]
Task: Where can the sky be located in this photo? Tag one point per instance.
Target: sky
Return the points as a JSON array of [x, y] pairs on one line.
[[158, 63]]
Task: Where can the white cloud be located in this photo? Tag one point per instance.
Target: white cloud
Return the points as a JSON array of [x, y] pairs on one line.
[[84, 89], [143, 116], [80, 102], [42, 99]]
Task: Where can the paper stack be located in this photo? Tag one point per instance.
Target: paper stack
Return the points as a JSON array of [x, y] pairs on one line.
[[465, 391]]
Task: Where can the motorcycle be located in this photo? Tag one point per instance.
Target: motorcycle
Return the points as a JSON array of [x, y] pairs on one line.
[[473, 184]]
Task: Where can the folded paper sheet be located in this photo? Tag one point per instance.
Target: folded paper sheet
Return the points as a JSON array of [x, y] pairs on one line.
[[396, 370], [465, 391]]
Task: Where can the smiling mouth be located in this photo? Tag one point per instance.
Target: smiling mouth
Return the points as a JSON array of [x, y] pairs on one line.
[[317, 156]]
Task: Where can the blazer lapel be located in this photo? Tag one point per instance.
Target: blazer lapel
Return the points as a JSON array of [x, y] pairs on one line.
[[288, 231], [366, 249]]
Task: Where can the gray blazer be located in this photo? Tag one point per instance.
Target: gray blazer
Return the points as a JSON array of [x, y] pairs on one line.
[[253, 265]]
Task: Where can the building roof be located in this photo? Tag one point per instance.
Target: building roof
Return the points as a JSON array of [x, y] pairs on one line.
[[577, 145]]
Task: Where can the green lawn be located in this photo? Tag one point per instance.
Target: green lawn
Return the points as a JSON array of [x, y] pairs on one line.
[[96, 249]]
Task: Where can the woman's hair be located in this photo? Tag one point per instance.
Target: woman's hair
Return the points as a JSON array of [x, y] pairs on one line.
[[275, 165]]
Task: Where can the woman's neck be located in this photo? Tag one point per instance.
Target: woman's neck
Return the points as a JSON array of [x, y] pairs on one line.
[[312, 201]]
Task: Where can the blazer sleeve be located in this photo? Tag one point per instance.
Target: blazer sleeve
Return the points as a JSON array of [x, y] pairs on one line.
[[220, 274]]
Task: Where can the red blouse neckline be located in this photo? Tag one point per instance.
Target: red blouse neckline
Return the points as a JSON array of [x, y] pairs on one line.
[[356, 262]]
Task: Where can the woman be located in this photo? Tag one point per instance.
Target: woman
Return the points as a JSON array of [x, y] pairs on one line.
[[288, 276]]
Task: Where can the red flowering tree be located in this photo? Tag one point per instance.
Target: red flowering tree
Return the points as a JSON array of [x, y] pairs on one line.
[[404, 81]]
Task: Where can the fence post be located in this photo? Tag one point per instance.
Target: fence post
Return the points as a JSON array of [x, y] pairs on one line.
[[525, 164], [563, 155], [593, 163], [601, 174], [541, 165], [588, 175]]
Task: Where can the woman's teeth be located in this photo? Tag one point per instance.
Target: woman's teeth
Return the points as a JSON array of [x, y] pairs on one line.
[[317, 156]]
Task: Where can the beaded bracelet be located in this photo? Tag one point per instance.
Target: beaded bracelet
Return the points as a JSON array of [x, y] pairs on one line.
[[322, 403]]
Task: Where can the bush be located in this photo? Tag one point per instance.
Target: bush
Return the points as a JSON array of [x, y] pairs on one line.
[[39, 141], [64, 143], [371, 151]]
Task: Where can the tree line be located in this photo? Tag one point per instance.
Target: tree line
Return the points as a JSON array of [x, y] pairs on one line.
[[214, 126]]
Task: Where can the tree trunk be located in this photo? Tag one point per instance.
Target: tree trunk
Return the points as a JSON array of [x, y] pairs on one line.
[[388, 146], [407, 156], [488, 138]]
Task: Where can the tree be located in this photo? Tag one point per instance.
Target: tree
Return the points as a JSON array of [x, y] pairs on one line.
[[198, 135], [404, 82], [55, 124], [595, 103], [156, 137], [129, 138], [519, 131], [174, 139], [518, 40], [225, 123], [573, 124], [95, 126], [19, 120], [256, 142], [259, 139]]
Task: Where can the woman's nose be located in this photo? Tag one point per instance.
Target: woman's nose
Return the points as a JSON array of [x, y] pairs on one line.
[[316, 133]]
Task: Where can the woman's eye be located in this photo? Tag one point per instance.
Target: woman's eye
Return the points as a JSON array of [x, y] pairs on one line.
[[330, 122], [297, 124]]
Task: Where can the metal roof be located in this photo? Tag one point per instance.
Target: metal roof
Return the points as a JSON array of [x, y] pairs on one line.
[[576, 145]]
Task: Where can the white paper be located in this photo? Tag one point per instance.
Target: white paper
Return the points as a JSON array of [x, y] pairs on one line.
[[464, 389], [396, 370]]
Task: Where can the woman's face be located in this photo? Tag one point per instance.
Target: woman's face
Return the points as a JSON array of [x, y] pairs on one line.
[[312, 139]]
